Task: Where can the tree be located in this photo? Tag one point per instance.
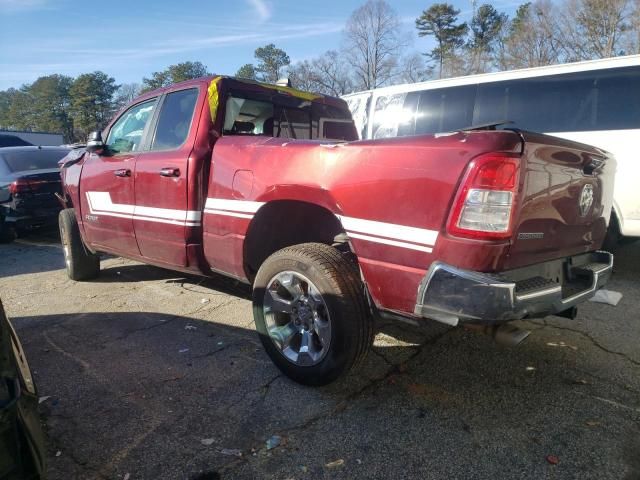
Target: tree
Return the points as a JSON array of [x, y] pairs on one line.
[[174, 74], [333, 74], [372, 43], [16, 109], [486, 26], [414, 69], [327, 74], [304, 77], [248, 71], [440, 20], [126, 93], [45, 105], [633, 40], [91, 102], [272, 62], [532, 38], [596, 28]]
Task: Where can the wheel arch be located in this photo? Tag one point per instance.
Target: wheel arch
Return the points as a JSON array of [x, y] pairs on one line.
[[616, 218], [281, 223]]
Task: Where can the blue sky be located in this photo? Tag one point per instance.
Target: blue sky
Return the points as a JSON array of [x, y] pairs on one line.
[[130, 39]]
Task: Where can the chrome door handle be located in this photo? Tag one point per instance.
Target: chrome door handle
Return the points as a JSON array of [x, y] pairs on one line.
[[122, 172], [170, 172]]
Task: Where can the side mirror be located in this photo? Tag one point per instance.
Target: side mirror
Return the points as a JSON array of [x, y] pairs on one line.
[[95, 143]]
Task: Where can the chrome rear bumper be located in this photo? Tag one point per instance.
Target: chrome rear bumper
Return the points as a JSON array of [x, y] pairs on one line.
[[452, 295]]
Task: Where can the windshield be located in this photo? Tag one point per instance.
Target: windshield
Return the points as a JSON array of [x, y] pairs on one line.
[[23, 160]]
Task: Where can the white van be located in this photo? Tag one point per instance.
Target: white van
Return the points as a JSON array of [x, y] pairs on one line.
[[595, 102]]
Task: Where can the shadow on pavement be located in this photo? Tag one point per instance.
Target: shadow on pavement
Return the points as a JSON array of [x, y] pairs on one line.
[[26, 256], [139, 391], [144, 273]]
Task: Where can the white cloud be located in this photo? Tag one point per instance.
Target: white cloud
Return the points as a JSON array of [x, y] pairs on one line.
[[182, 43], [261, 8]]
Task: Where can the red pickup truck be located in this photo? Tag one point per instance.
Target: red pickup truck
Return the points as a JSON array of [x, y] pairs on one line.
[[269, 185]]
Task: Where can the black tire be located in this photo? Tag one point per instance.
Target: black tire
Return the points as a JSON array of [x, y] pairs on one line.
[[338, 282], [613, 237], [81, 263], [7, 232]]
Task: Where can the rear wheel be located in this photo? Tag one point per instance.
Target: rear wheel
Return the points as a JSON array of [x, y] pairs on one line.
[[613, 237], [80, 262], [311, 313]]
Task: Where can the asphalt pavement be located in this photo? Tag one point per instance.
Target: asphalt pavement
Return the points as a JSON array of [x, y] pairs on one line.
[[147, 374]]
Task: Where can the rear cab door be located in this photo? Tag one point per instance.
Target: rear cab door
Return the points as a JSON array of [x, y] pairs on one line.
[[107, 189], [162, 221]]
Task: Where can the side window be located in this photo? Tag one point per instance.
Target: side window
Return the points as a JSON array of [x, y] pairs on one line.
[[389, 115], [409, 109], [618, 98], [561, 103], [359, 106], [175, 119], [445, 109], [126, 134], [492, 102]]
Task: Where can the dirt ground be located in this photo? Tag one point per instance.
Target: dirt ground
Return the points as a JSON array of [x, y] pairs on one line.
[[147, 374]]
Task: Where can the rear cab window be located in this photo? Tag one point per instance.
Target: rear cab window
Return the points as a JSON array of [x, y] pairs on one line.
[[265, 113]]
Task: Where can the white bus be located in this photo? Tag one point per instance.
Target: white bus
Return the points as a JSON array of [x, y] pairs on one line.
[[595, 102]]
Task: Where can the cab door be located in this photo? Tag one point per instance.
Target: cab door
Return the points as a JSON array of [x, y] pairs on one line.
[[162, 220], [107, 199]]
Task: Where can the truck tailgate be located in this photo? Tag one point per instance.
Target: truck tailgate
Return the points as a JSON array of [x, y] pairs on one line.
[[565, 201]]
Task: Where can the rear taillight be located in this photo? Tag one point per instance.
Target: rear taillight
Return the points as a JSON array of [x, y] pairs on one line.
[[22, 186], [484, 204]]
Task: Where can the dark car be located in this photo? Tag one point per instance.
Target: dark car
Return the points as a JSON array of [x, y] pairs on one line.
[[29, 180], [7, 140], [21, 438]]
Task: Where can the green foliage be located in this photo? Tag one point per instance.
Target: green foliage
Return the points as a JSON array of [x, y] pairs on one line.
[[440, 21], [48, 100], [248, 71], [8, 100], [174, 74], [521, 18], [486, 26], [91, 102], [272, 62]]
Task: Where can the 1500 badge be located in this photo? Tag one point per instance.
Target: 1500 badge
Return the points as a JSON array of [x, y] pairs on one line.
[[530, 236]]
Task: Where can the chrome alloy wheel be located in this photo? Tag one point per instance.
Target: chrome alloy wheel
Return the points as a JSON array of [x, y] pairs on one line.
[[297, 318]]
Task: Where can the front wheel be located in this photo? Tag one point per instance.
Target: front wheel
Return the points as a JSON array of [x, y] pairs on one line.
[[7, 232], [81, 263], [311, 313]]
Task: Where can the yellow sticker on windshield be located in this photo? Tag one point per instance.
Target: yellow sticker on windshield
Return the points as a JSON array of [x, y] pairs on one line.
[[213, 97]]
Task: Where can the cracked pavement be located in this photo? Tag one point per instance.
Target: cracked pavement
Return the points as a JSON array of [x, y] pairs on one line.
[[161, 376]]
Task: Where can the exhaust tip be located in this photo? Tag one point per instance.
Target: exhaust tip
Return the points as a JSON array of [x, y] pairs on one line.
[[506, 334], [510, 335]]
